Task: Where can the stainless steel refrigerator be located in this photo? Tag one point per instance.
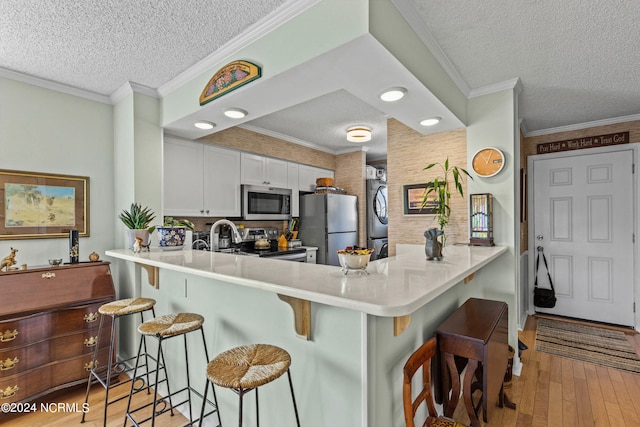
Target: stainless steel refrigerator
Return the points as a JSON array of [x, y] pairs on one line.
[[330, 222]]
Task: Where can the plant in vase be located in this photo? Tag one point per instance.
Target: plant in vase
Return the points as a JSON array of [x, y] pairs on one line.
[[437, 196], [137, 220], [173, 232]]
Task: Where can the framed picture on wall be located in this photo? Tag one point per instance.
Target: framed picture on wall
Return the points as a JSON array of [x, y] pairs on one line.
[[413, 194], [36, 205]]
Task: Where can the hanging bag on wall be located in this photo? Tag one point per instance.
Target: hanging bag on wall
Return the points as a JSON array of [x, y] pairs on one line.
[[544, 298]]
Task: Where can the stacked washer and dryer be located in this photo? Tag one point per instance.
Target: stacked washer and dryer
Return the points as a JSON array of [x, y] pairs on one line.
[[377, 210]]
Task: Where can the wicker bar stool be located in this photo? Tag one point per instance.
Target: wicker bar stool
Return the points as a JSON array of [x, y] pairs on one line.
[[115, 310], [163, 328], [246, 368]]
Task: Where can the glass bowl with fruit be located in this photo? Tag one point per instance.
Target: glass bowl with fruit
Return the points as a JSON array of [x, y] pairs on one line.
[[354, 259]]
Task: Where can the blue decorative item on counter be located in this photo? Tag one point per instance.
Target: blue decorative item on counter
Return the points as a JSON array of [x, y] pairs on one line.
[[171, 237]]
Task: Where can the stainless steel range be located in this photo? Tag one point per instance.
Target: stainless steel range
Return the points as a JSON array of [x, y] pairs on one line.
[[263, 242]]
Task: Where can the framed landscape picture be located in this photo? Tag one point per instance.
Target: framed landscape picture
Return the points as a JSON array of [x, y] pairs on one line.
[[413, 195], [37, 205]]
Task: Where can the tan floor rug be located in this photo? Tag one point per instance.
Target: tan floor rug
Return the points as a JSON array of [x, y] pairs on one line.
[[586, 343]]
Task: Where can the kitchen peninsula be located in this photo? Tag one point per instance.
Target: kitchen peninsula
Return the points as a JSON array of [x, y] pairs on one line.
[[360, 327]]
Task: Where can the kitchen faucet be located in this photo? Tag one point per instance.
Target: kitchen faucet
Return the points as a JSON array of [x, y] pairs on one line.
[[213, 234]]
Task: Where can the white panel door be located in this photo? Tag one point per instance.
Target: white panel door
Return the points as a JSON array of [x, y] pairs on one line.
[[583, 219]]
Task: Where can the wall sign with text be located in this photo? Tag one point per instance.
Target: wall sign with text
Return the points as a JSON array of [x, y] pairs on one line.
[[586, 142]]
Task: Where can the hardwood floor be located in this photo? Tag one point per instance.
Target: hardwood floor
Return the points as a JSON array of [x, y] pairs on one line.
[[554, 391], [550, 391]]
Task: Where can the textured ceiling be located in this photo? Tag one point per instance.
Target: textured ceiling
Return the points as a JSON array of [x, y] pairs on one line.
[[99, 45], [578, 60]]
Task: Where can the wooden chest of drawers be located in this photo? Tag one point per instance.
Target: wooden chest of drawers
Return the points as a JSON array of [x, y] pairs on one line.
[[48, 327]]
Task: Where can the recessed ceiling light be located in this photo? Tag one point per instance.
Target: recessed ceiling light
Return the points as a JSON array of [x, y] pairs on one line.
[[359, 134], [393, 94], [235, 113], [431, 121], [204, 125]]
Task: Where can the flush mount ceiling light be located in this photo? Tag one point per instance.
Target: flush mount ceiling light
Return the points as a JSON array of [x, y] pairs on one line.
[[393, 94], [431, 121], [204, 125], [235, 113], [359, 134]]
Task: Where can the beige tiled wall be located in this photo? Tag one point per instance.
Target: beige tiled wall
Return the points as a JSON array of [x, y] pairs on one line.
[[408, 153], [245, 140], [350, 170]]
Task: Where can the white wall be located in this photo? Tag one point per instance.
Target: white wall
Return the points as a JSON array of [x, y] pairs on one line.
[[42, 130]]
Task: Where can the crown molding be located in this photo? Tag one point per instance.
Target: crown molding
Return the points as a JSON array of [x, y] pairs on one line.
[[58, 87], [253, 33], [411, 15], [585, 125], [513, 84], [130, 87], [287, 138]]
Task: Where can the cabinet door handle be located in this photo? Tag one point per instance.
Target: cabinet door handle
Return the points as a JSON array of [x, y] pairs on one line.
[[91, 341], [9, 392], [91, 317], [8, 364], [90, 365], [8, 335], [48, 275]]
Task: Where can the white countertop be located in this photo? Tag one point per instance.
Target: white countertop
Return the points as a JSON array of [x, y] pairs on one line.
[[395, 286]]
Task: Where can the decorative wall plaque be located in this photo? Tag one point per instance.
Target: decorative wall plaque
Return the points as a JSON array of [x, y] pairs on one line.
[[230, 77], [586, 142]]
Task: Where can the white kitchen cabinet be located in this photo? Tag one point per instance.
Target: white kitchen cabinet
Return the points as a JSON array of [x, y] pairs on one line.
[[260, 170], [292, 183], [307, 176], [200, 179], [221, 181], [183, 178]]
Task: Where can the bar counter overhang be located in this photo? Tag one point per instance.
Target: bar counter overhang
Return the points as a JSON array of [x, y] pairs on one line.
[[357, 329]]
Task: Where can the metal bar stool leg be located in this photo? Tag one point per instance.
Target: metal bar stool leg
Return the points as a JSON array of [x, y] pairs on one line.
[[109, 366], [146, 353], [93, 366], [293, 397], [135, 371], [241, 394], [257, 409], [186, 353]]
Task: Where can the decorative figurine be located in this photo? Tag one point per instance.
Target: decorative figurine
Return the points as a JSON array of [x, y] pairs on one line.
[[137, 245], [8, 261], [74, 247], [433, 248], [93, 257]]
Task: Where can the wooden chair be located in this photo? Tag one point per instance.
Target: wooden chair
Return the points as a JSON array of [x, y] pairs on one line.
[[422, 358]]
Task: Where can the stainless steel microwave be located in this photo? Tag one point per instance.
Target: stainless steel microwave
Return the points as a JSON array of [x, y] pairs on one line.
[[265, 203]]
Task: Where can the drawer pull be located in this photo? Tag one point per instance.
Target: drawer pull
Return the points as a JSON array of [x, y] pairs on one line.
[[8, 364], [89, 366], [48, 275], [8, 335], [91, 341], [91, 317], [9, 392]]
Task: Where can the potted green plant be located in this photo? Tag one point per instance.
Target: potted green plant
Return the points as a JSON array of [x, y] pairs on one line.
[[137, 220], [173, 232], [437, 195]]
